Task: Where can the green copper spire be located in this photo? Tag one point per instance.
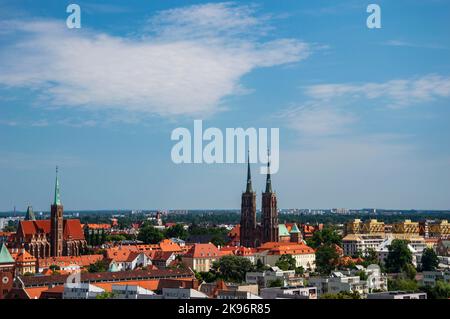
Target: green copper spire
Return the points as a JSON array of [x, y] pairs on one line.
[[249, 177], [57, 200], [5, 256], [268, 180], [295, 229]]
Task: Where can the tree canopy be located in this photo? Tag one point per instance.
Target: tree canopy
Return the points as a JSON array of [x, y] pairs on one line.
[[286, 262], [399, 256], [176, 231], [233, 268], [149, 234], [326, 259], [429, 260], [327, 236]]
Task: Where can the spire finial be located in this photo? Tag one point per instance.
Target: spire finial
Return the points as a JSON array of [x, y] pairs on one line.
[[249, 176], [57, 200], [268, 180]]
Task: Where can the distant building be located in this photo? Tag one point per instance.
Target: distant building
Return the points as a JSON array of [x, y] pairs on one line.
[[355, 243], [289, 293], [443, 248], [397, 295], [68, 264], [338, 282], [264, 278], [429, 278], [31, 287], [54, 237], [236, 294], [25, 262], [270, 252], [200, 257], [439, 229], [132, 292], [81, 291], [406, 227], [182, 293], [7, 264]]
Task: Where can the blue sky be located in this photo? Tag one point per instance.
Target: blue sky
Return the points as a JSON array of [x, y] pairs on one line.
[[363, 113]]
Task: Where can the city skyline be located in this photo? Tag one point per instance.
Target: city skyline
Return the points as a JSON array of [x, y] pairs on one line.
[[363, 119]]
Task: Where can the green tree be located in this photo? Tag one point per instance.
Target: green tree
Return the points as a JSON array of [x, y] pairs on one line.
[[410, 271], [441, 290], [103, 237], [149, 234], [98, 266], [370, 257], [176, 231], [218, 240], [399, 256], [115, 237], [326, 259], [260, 266], [275, 283], [54, 267], [286, 262], [233, 268], [105, 295], [402, 284], [342, 295], [299, 270], [327, 236], [429, 260]]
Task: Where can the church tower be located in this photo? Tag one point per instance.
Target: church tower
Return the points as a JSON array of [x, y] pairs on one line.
[[56, 223], [248, 236], [269, 211]]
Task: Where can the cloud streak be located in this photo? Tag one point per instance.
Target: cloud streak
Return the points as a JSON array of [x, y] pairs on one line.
[[329, 109], [396, 93]]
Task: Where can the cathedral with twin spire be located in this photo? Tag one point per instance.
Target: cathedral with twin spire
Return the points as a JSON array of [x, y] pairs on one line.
[[253, 234]]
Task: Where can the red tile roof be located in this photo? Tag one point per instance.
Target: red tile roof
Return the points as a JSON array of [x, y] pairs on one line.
[[82, 261], [203, 251], [24, 257], [281, 248], [168, 245], [72, 228], [98, 226]]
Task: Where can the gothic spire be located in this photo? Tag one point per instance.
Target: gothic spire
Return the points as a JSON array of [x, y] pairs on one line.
[[30, 214], [249, 177], [57, 200], [268, 180]]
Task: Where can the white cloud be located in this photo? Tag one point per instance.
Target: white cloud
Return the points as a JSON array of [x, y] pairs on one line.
[[317, 120], [401, 43], [185, 63], [397, 93], [331, 109]]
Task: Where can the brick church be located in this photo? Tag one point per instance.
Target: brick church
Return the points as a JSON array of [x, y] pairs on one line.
[[51, 238], [253, 234]]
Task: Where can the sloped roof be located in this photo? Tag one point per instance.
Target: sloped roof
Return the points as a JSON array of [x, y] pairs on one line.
[[72, 228], [280, 248], [168, 245], [24, 256], [82, 261], [202, 251], [282, 230], [294, 229], [5, 256]]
